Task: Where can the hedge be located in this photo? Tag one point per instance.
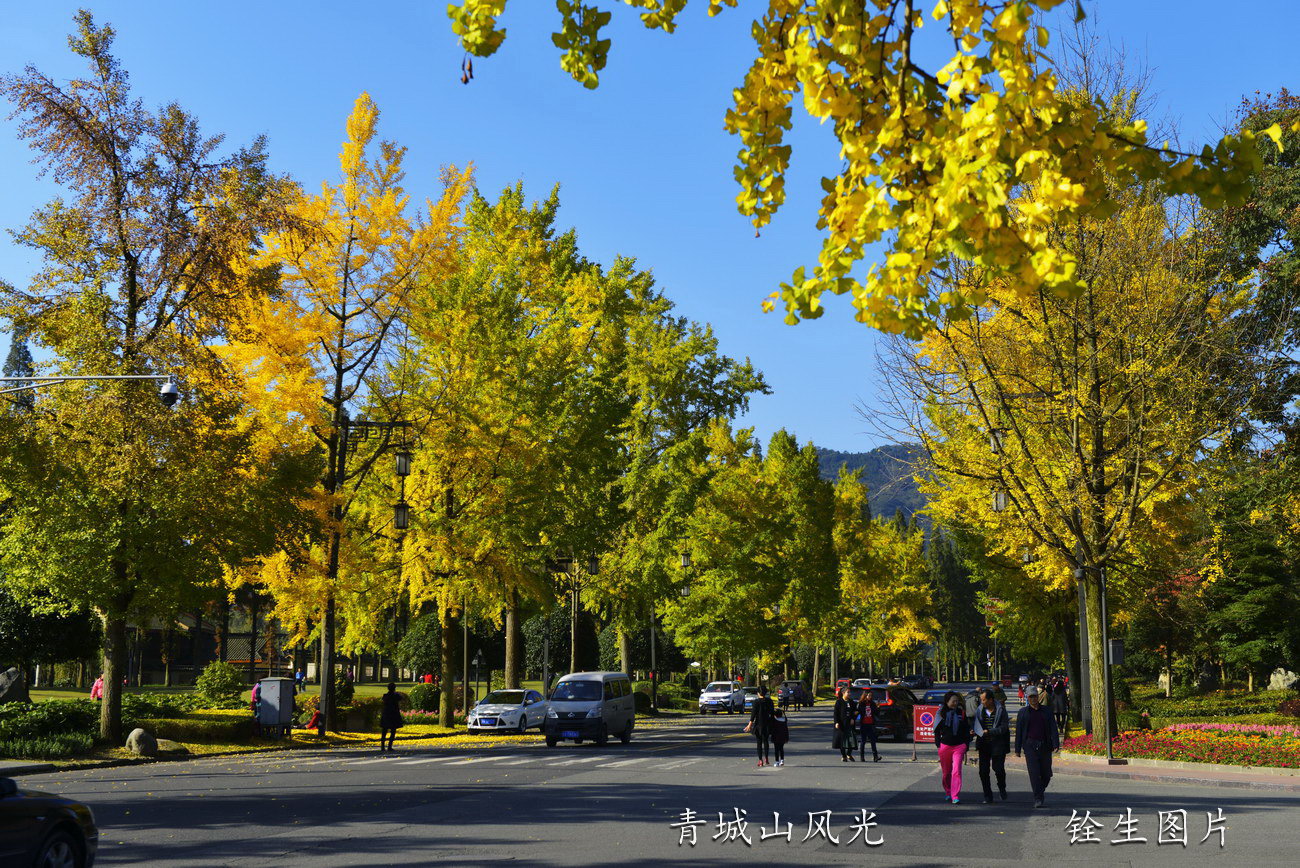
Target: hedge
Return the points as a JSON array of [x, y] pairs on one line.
[[57, 746], [200, 728]]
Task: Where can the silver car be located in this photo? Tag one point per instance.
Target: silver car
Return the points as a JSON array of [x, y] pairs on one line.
[[722, 695], [508, 711]]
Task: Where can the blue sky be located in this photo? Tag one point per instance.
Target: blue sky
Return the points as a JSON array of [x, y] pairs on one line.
[[643, 162]]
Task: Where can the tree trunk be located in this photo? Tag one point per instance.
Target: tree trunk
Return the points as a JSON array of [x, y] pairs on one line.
[[167, 656], [327, 657], [817, 662], [110, 709], [224, 631], [447, 670], [625, 649], [1070, 641], [573, 632], [1097, 659], [514, 645]]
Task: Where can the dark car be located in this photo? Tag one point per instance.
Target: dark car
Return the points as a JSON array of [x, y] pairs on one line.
[[916, 682], [934, 697], [793, 693], [44, 830]]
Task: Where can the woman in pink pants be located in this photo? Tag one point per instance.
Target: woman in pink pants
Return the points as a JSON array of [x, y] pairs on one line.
[[952, 734]]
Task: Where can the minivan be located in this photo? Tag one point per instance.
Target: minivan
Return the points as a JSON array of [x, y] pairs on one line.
[[592, 705]]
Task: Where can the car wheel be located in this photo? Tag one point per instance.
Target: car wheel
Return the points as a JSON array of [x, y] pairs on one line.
[[523, 725], [60, 850], [550, 741], [626, 737], [602, 737]]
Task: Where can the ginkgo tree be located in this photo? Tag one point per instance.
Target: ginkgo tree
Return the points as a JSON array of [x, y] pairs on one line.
[[316, 351], [931, 158]]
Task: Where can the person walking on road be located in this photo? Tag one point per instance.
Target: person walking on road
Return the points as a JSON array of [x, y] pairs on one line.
[[1037, 735], [390, 716], [760, 724], [867, 714], [780, 735], [993, 741], [952, 735], [845, 712]]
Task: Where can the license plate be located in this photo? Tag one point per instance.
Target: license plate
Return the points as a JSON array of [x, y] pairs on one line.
[[487, 721], [568, 734]]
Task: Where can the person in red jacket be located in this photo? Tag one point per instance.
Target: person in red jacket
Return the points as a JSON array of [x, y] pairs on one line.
[[868, 713]]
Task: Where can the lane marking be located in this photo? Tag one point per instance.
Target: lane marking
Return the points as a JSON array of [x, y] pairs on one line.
[[626, 762], [432, 759], [573, 762], [676, 764], [382, 759], [480, 759]]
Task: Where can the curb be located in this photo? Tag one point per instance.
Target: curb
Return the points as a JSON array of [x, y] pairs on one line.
[[42, 768], [1183, 765], [1155, 776]]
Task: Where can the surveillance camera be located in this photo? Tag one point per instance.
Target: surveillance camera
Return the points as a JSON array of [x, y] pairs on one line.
[[169, 394]]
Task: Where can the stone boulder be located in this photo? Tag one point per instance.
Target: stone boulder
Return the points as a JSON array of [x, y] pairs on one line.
[[13, 686], [141, 743], [167, 746], [1283, 679]]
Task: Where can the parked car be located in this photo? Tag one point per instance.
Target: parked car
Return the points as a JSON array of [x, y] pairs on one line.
[[861, 682], [41, 829], [726, 696], [794, 693], [509, 710], [591, 705], [843, 682], [751, 693], [917, 682], [933, 697], [894, 705]]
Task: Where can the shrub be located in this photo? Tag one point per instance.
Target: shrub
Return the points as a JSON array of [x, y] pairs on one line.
[[1289, 707], [371, 707], [56, 717], [219, 682], [1127, 721], [201, 728], [1123, 691], [642, 702], [343, 690], [58, 746], [424, 697]]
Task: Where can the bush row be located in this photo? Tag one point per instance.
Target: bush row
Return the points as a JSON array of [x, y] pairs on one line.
[[57, 746]]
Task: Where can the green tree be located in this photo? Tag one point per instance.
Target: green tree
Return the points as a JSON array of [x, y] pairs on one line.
[[117, 503]]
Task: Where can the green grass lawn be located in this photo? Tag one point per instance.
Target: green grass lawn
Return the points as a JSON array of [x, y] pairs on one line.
[[367, 689]]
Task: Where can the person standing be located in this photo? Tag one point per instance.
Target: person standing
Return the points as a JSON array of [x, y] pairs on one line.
[[867, 714], [390, 716], [993, 741], [952, 735], [760, 724], [844, 714], [1060, 704], [780, 735], [1037, 735]]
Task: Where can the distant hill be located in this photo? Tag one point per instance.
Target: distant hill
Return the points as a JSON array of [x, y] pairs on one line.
[[887, 471]]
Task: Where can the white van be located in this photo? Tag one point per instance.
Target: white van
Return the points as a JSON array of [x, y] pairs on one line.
[[592, 705]]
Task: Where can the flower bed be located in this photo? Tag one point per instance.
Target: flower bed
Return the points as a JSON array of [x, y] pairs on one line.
[[1252, 729], [1198, 745]]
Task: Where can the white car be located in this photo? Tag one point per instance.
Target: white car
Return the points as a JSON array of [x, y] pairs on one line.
[[720, 695], [508, 711]]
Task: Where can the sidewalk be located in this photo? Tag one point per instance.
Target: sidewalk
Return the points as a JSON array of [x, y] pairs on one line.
[[1202, 774], [9, 769]]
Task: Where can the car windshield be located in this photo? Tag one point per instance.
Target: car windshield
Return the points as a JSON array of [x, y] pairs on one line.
[[504, 697], [577, 691], [719, 687], [752, 690], [878, 694]]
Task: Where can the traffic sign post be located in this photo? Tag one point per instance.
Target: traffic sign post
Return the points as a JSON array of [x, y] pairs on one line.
[[924, 718]]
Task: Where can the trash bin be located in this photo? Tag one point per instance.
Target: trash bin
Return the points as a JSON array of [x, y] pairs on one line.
[[275, 710]]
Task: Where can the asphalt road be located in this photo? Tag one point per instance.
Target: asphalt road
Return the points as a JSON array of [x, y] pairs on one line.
[[585, 805]]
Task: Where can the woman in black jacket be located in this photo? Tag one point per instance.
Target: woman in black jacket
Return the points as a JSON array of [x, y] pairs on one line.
[[845, 714], [760, 723], [952, 734]]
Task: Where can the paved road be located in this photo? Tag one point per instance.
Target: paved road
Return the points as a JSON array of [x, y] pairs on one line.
[[584, 805]]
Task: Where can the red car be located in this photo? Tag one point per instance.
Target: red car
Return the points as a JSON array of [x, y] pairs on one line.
[[843, 682]]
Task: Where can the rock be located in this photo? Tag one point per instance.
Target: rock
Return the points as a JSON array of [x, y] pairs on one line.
[[1165, 682], [141, 743], [1283, 679], [13, 686], [166, 745]]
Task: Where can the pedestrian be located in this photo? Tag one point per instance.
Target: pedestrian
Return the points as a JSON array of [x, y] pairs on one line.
[[390, 716], [780, 735], [255, 700], [1060, 705], [97, 689], [760, 724], [844, 714], [952, 735], [993, 741], [867, 714], [299, 681], [1021, 690], [1037, 735]]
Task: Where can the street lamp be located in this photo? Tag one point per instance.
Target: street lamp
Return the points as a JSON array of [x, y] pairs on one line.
[[402, 463], [168, 393], [402, 515], [1000, 500], [995, 441]]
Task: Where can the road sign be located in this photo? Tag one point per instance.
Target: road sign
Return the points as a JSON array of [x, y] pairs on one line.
[[924, 718]]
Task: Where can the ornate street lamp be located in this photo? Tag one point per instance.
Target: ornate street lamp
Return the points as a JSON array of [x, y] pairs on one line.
[[402, 463], [402, 515]]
